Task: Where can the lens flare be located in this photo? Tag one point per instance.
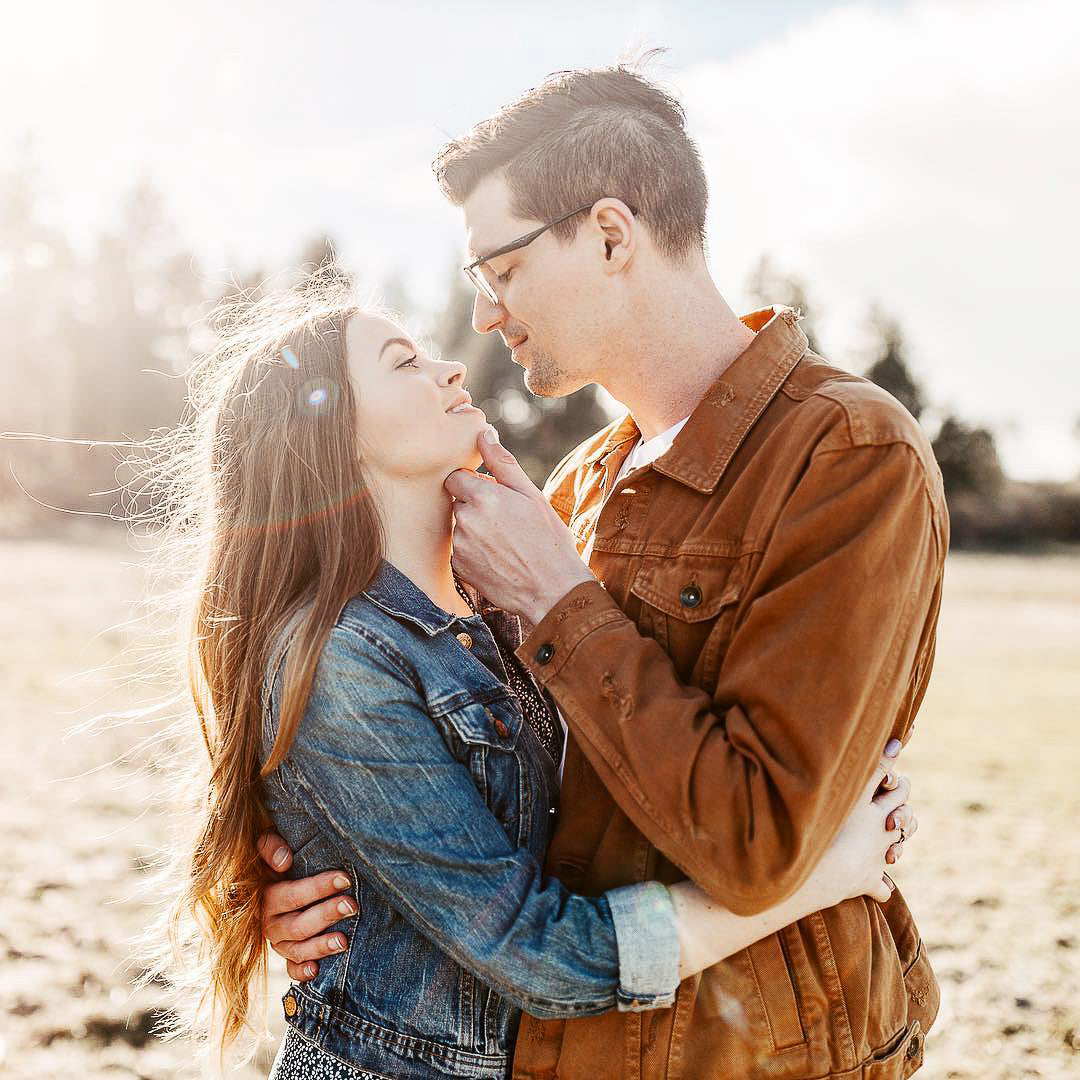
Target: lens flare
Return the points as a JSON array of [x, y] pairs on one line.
[[318, 396], [290, 357]]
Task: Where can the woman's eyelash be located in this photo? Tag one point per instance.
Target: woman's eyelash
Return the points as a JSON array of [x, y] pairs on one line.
[[406, 363]]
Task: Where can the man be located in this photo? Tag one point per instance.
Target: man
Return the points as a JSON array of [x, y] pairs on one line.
[[734, 588]]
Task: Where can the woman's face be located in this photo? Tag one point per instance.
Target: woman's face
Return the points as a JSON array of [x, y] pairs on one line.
[[415, 417]]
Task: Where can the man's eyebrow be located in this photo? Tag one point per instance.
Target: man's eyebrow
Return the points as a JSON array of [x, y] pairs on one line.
[[395, 341]]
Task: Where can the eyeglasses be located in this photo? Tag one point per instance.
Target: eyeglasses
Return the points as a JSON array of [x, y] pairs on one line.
[[476, 276]]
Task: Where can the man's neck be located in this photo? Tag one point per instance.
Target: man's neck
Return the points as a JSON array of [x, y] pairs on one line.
[[684, 337], [418, 528]]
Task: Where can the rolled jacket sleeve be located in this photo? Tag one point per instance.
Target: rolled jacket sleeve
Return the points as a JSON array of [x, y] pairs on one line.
[[371, 767], [828, 657]]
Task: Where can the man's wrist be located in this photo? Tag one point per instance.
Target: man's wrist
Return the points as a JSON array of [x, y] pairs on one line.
[[541, 603]]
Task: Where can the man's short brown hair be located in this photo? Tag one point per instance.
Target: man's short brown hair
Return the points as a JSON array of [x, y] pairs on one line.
[[580, 136]]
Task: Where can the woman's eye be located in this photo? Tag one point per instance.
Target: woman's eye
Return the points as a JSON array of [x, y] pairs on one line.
[[411, 360]]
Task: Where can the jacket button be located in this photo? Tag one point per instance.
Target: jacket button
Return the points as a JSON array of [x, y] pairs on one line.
[[690, 596], [545, 653], [291, 1008], [913, 1047], [501, 728], [465, 639]]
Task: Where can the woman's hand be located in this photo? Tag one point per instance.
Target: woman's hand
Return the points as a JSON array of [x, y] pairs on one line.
[[868, 841]]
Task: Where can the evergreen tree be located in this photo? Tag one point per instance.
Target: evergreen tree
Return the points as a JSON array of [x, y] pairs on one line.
[[889, 370]]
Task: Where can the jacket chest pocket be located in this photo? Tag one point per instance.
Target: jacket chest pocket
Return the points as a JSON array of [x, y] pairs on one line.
[[689, 607], [490, 733]]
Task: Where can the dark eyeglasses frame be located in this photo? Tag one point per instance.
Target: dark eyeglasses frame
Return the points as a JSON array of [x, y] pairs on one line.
[[482, 284]]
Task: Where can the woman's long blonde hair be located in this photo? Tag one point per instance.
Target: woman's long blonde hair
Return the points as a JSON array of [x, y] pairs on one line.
[[264, 479]]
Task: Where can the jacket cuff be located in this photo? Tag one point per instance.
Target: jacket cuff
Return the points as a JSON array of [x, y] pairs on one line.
[[549, 644], [644, 919]]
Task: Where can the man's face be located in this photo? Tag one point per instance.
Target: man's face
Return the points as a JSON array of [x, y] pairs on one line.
[[550, 293]]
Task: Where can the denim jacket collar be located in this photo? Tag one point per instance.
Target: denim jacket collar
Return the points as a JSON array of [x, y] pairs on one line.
[[398, 595]]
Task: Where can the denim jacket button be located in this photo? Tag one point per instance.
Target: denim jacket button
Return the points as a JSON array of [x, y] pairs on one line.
[[465, 639], [545, 653], [501, 728], [291, 1008]]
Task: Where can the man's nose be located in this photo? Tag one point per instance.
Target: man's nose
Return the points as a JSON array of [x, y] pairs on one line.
[[486, 316]]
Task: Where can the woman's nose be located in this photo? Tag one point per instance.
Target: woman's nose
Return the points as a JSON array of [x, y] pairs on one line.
[[451, 371]]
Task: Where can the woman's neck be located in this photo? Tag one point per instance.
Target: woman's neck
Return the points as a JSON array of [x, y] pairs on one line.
[[418, 526]]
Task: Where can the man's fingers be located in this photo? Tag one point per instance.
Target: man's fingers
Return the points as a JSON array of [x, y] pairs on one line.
[[299, 952], [502, 464], [274, 851], [464, 484], [290, 896], [302, 972], [301, 925]]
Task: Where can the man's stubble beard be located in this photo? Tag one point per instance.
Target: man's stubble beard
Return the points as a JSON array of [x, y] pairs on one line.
[[544, 378]]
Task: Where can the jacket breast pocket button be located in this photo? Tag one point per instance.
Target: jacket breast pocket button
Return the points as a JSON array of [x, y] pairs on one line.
[[545, 653], [690, 596], [501, 728], [291, 1008], [465, 639]]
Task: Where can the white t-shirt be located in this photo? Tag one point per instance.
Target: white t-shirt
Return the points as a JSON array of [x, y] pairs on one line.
[[644, 452]]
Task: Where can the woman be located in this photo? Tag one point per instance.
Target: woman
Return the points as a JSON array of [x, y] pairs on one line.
[[355, 697]]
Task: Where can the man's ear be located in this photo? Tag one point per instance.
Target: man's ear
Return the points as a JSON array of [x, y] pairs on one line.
[[616, 223]]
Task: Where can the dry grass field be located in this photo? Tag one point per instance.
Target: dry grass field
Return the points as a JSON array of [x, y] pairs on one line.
[[993, 877]]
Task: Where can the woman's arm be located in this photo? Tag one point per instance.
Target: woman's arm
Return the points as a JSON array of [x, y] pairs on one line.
[[369, 765], [853, 865]]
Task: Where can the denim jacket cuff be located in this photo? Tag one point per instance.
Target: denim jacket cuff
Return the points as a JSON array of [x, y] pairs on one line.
[[644, 919]]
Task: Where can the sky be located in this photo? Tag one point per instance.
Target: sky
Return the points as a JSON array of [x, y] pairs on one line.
[[922, 155]]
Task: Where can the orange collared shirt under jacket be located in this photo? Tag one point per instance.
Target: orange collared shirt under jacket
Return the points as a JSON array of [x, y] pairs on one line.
[[763, 624]]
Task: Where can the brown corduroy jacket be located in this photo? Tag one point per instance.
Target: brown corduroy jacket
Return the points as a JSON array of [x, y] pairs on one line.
[[763, 622]]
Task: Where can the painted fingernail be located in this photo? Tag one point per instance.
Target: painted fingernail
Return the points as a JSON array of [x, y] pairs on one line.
[[338, 943], [281, 857], [309, 970], [341, 882], [893, 747], [346, 907]]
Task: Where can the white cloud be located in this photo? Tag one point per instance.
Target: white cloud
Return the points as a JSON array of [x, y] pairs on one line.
[[927, 157]]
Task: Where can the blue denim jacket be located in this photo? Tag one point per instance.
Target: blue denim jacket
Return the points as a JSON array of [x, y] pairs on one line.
[[413, 770]]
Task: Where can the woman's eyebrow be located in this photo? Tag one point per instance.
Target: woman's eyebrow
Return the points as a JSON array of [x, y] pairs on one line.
[[395, 341]]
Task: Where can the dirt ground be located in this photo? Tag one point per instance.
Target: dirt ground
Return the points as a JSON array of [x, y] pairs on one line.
[[993, 877]]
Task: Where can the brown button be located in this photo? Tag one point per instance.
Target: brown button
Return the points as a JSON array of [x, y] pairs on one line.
[[913, 1047], [501, 728], [291, 1008], [465, 639], [545, 653]]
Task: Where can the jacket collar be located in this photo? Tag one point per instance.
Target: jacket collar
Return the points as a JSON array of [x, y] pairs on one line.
[[398, 595], [729, 409]]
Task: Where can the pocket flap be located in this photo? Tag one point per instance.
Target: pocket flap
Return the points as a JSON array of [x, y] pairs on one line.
[[691, 589]]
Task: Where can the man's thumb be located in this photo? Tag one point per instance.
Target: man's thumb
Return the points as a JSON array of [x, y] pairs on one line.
[[502, 464]]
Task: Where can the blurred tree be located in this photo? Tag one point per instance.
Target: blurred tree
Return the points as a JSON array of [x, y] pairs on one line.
[[539, 431], [769, 285], [889, 370], [968, 459]]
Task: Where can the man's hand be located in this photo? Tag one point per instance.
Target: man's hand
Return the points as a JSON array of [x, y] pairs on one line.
[[295, 913], [508, 542]]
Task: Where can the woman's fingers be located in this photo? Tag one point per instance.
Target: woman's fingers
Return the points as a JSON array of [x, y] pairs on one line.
[[891, 798], [289, 896], [299, 926]]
